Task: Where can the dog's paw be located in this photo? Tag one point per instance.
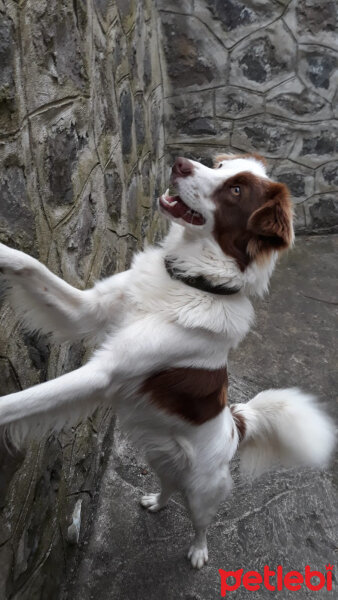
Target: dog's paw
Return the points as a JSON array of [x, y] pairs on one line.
[[198, 556], [151, 502]]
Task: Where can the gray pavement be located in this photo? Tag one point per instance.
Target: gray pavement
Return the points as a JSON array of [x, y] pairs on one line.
[[286, 518]]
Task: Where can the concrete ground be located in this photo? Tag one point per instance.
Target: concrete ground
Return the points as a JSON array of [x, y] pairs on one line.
[[285, 518]]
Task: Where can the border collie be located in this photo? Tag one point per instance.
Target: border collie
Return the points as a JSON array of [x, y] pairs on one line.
[[164, 329]]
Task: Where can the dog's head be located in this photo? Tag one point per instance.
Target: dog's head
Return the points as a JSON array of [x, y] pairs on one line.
[[248, 215]]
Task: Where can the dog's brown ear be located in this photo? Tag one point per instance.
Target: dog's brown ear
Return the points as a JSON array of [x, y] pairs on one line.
[[272, 223]]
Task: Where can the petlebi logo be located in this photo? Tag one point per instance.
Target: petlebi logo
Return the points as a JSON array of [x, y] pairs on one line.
[[276, 580]]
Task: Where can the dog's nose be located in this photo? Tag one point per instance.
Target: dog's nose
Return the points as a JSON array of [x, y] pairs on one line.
[[182, 167]]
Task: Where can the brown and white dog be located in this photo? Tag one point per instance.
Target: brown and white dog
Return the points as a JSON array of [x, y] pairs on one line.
[[165, 328]]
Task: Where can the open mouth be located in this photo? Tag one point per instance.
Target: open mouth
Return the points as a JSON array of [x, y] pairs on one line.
[[175, 206]]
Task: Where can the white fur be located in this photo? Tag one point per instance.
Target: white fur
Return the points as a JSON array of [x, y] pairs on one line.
[[235, 165], [284, 427], [146, 322], [48, 304]]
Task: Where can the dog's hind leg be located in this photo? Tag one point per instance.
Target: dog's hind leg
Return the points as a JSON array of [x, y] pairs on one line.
[[203, 502]]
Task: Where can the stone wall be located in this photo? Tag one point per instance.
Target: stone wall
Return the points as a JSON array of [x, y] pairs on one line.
[[258, 75], [82, 160], [96, 97]]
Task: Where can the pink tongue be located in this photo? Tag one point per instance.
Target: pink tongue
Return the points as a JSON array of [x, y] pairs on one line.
[[179, 209], [176, 207]]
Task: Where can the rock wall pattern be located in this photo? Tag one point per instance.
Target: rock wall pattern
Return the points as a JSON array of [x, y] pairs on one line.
[[96, 97], [82, 160], [259, 76]]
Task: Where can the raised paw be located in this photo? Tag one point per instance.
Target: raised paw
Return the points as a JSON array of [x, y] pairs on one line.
[[151, 502], [198, 556]]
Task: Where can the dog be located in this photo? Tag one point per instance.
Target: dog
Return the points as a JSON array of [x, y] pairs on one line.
[[163, 331]]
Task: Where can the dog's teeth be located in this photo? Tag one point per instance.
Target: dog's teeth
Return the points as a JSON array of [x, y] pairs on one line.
[[164, 199]]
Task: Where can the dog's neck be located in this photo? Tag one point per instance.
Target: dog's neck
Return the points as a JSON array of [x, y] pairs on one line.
[[194, 257], [153, 291], [198, 283]]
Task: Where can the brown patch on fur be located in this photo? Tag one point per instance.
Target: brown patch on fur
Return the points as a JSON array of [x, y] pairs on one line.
[[272, 223], [256, 222], [196, 395], [221, 157], [239, 422]]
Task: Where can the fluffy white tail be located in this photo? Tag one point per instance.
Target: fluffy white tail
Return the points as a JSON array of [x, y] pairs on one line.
[[282, 427]]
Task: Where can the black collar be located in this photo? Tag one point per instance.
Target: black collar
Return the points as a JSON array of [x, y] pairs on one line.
[[199, 282]]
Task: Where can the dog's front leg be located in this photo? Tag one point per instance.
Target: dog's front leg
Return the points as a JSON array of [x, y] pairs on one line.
[[53, 404], [49, 304], [120, 364], [156, 501]]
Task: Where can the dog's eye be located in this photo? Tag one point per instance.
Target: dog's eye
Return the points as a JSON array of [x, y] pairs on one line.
[[220, 165], [236, 190]]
